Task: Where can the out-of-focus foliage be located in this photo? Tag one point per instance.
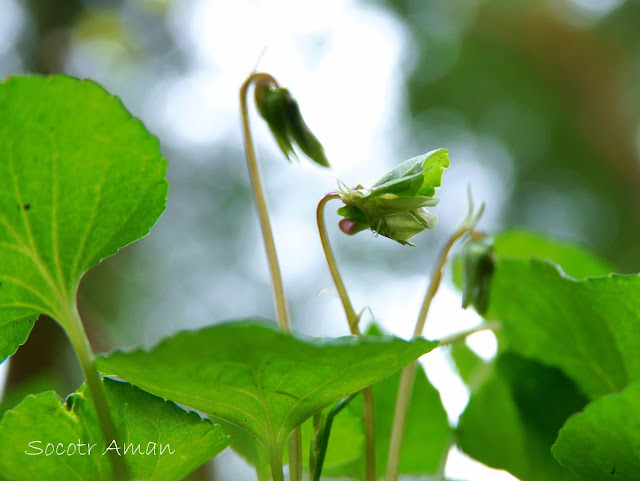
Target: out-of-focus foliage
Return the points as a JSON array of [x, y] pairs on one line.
[[563, 342], [559, 91], [512, 420], [590, 441]]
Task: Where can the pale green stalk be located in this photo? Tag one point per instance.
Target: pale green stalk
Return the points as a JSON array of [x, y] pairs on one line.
[[275, 461], [408, 374], [80, 343], [282, 312], [352, 319]]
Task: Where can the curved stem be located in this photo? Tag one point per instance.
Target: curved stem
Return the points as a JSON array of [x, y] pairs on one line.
[[254, 173], [282, 311], [408, 374], [78, 338], [352, 319], [436, 278]]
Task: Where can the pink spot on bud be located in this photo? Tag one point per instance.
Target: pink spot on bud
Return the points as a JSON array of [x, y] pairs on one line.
[[348, 226]]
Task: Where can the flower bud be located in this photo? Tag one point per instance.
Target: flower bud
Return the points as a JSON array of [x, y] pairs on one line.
[[282, 114], [394, 206], [478, 266]]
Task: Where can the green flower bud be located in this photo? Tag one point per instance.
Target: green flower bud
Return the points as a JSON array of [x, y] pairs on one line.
[[394, 206], [282, 114], [478, 266]]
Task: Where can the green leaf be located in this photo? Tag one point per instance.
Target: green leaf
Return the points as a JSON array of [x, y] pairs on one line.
[[140, 419], [79, 179], [258, 378], [14, 332], [427, 434], [511, 421], [590, 329], [575, 260], [421, 175], [603, 441]]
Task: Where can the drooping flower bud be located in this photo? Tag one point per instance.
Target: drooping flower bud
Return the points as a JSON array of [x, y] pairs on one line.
[[282, 114], [394, 206], [478, 266]]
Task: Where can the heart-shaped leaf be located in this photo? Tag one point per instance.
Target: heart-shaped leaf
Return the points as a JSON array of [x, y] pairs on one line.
[[590, 329], [45, 437], [603, 441], [79, 179], [519, 408], [258, 378]]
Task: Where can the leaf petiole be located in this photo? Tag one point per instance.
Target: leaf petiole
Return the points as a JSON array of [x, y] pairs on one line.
[[74, 328]]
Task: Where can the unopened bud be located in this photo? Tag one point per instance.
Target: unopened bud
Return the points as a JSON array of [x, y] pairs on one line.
[[282, 114], [478, 266], [394, 206]]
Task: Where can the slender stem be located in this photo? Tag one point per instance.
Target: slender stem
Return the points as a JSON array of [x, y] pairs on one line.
[[267, 233], [408, 374], [295, 453], [275, 461], [78, 338], [282, 311], [352, 319], [399, 420], [462, 335], [436, 278]]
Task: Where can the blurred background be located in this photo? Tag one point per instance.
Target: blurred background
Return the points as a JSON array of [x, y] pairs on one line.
[[538, 102]]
